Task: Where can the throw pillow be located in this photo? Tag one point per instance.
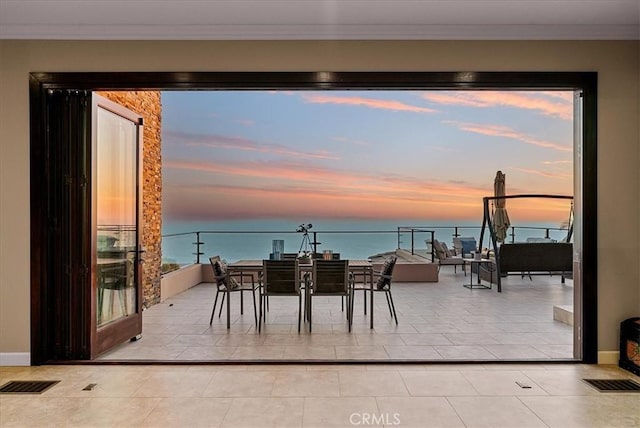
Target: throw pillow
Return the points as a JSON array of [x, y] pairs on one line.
[[384, 281], [220, 273], [437, 246], [446, 250], [468, 245], [233, 284]]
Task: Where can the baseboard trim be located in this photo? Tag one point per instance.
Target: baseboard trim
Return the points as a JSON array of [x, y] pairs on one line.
[[608, 357], [24, 358], [15, 359]]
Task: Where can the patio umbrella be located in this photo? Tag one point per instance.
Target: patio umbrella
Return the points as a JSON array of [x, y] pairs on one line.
[[500, 216]]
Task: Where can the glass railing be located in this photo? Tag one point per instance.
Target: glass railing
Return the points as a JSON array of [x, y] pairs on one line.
[[180, 249], [196, 247], [524, 233]]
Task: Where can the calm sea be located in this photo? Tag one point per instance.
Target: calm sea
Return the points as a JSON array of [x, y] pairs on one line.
[[252, 239]]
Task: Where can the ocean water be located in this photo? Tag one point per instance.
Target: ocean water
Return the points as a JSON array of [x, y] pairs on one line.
[[355, 239]]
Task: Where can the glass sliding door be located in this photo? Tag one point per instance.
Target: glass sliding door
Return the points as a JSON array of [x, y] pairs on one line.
[[116, 212]]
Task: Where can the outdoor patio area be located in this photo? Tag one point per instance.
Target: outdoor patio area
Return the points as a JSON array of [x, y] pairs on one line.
[[440, 321]]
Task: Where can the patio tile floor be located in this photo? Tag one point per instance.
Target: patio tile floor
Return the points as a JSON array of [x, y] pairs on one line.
[[436, 322]]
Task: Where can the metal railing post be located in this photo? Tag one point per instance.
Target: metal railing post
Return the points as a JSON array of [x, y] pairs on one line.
[[433, 253], [315, 242], [412, 243], [198, 253]]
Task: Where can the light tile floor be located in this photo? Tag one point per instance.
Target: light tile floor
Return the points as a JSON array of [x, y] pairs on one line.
[[341, 395], [437, 321]]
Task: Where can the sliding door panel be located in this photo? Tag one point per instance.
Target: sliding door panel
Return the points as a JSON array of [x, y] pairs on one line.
[[116, 223]]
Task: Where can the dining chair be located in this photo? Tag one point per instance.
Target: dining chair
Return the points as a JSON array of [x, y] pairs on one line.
[[227, 280], [279, 278], [382, 284], [116, 277], [329, 278]]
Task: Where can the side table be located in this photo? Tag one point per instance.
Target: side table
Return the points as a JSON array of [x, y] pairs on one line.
[[479, 263]]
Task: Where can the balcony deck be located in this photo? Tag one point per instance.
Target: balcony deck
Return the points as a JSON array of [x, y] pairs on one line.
[[438, 321]]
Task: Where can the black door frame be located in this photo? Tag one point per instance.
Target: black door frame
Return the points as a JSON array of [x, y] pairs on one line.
[[40, 83]]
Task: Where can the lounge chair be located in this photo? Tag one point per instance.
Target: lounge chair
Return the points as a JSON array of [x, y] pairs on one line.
[[464, 246], [446, 258]]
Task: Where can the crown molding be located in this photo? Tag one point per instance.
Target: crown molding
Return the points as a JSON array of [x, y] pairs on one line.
[[321, 32]]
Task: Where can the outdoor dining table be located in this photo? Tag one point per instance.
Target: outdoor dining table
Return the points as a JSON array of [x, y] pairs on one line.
[[360, 267]]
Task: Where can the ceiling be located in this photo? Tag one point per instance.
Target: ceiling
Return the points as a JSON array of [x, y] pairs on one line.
[[320, 19]]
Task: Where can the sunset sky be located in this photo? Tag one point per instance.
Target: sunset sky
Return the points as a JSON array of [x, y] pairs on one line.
[[423, 155]]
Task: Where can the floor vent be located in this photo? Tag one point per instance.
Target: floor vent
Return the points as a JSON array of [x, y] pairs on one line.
[[27, 386], [614, 385]]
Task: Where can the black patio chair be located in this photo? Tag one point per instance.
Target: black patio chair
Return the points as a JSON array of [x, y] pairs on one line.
[[382, 284], [235, 282], [279, 278], [329, 278]]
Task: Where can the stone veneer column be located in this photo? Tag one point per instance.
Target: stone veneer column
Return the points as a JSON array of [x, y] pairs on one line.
[[148, 105]]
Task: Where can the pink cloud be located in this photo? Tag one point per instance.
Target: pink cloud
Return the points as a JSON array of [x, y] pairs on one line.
[[506, 132], [366, 102], [313, 180], [241, 201], [567, 96], [547, 174], [538, 101], [455, 98], [238, 143], [277, 189], [265, 170], [558, 162]]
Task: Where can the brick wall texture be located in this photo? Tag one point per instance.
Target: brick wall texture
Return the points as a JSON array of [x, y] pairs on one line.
[[148, 105]]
